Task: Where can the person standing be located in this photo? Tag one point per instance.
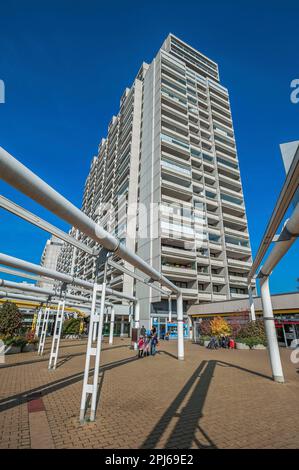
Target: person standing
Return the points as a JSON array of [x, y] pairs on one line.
[[142, 331], [154, 340]]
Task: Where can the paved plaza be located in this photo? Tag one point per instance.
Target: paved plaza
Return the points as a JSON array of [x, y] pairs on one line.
[[213, 399]]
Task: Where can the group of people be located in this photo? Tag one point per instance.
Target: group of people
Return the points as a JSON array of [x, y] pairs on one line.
[[221, 342], [147, 343]]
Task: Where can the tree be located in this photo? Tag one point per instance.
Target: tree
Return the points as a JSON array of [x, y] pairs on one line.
[[71, 326], [219, 327], [10, 319], [205, 328]]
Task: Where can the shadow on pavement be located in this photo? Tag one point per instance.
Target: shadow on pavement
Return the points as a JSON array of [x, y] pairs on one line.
[[46, 359], [43, 390], [183, 434]]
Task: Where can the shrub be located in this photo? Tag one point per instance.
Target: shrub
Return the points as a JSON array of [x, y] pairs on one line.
[[204, 338], [219, 327], [71, 326], [252, 341], [10, 319], [14, 341], [235, 327], [205, 328], [31, 338], [253, 332]]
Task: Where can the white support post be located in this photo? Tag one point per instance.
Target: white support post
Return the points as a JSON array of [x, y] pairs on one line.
[[98, 356], [273, 348], [92, 388], [112, 318], [190, 326], [56, 335], [180, 320], [169, 309], [94, 331], [251, 305], [136, 322], [122, 326], [38, 322], [44, 331]]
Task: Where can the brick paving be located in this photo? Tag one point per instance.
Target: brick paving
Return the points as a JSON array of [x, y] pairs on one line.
[[213, 399]]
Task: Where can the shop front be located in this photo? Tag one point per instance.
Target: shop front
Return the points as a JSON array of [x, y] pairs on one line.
[[165, 328], [287, 332]]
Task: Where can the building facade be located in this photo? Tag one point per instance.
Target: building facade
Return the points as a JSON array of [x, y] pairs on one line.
[[50, 257], [166, 181]]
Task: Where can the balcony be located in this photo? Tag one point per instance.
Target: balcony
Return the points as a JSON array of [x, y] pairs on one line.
[[218, 279], [180, 253], [217, 262], [175, 190], [203, 278], [203, 260], [232, 218], [238, 280], [189, 293], [173, 109], [204, 296], [176, 168], [238, 233], [179, 273], [239, 263], [218, 297], [239, 296]]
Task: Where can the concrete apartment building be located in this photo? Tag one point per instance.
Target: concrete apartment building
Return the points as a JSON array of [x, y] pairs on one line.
[[50, 257], [171, 149]]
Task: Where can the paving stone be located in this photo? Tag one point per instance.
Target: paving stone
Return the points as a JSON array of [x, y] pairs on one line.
[[213, 399]]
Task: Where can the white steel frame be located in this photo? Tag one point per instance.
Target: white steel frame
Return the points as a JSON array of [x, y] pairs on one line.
[[56, 335], [45, 323]]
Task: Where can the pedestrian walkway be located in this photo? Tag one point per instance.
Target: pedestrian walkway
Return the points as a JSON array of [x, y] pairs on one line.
[[213, 399]]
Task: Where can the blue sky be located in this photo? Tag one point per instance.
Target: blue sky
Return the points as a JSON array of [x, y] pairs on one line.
[[65, 65]]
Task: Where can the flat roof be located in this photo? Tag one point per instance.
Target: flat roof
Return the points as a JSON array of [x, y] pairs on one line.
[[282, 303]]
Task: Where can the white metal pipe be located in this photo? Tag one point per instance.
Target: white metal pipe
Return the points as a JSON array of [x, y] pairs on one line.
[[86, 389], [251, 305], [288, 236], [286, 195], [273, 348], [112, 320], [136, 322], [98, 356], [20, 177], [42, 291], [190, 327], [29, 298], [38, 322], [38, 222], [180, 321], [14, 272], [169, 309], [35, 268]]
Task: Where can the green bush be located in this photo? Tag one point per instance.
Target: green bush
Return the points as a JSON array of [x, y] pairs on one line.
[[10, 319], [252, 341], [15, 341], [204, 338], [71, 326], [252, 333]]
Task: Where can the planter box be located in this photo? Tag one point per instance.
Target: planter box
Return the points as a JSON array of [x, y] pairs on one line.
[[242, 346], [71, 336], [259, 346], [13, 350], [29, 347]]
